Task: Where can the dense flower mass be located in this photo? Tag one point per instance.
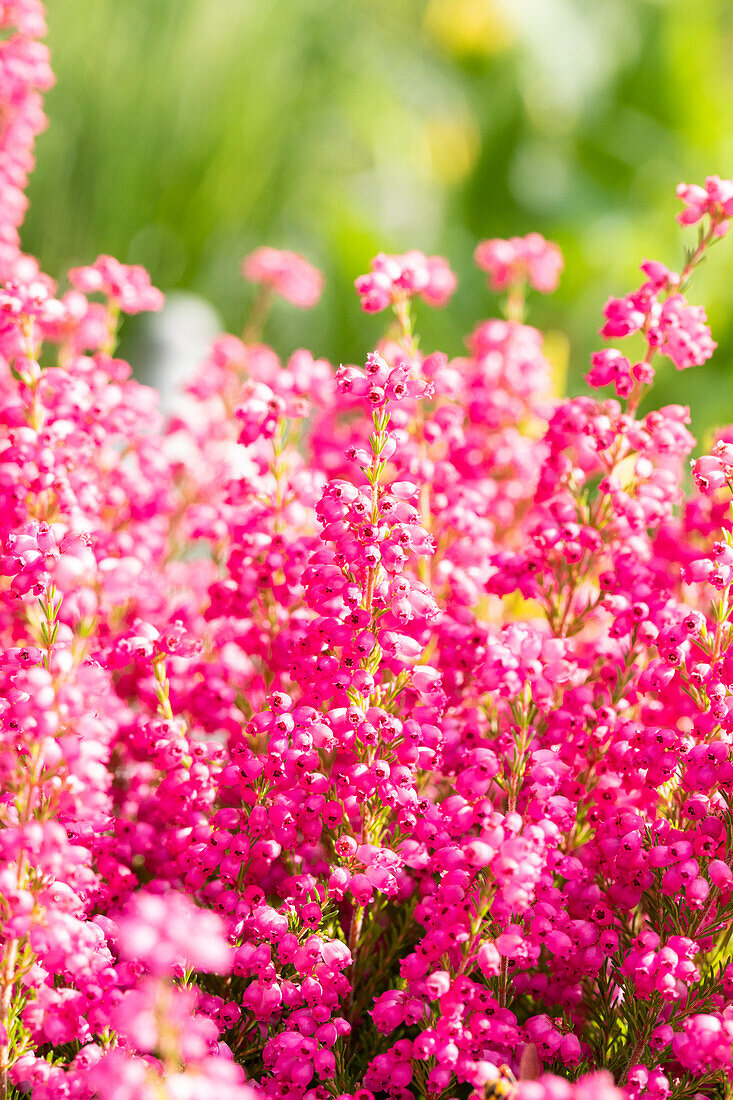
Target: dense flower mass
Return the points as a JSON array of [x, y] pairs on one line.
[[365, 732]]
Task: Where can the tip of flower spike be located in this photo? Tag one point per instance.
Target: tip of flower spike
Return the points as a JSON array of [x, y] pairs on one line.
[[714, 199], [394, 278], [286, 273], [530, 259], [127, 286]]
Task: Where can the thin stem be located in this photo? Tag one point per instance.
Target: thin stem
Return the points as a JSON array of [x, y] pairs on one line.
[[113, 325], [404, 316], [162, 687], [7, 987], [8, 973], [355, 926], [516, 302], [640, 1044], [705, 240], [258, 314], [503, 981]]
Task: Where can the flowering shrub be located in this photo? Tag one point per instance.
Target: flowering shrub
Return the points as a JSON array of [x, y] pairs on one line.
[[365, 732]]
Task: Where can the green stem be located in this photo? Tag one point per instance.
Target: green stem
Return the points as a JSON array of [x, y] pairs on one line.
[[258, 315]]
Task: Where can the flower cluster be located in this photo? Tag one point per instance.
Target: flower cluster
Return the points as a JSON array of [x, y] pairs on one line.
[[365, 732], [715, 200], [286, 273], [393, 279], [668, 323], [529, 259], [128, 287]]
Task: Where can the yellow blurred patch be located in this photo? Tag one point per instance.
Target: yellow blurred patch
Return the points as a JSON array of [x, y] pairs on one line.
[[625, 471], [451, 147], [469, 28], [509, 609], [517, 609], [557, 350]]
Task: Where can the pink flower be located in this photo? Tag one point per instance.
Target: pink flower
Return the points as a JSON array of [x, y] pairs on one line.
[[395, 277], [162, 931], [714, 199], [287, 273], [128, 287], [685, 335], [611, 367], [529, 259]]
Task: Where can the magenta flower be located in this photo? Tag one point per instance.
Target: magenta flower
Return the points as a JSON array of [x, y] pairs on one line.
[[529, 259], [286, 273]]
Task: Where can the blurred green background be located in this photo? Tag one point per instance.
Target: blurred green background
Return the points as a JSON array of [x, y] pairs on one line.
[[184, 133]]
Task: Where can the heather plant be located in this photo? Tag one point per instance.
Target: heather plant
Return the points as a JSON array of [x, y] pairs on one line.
[[366, 732]]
